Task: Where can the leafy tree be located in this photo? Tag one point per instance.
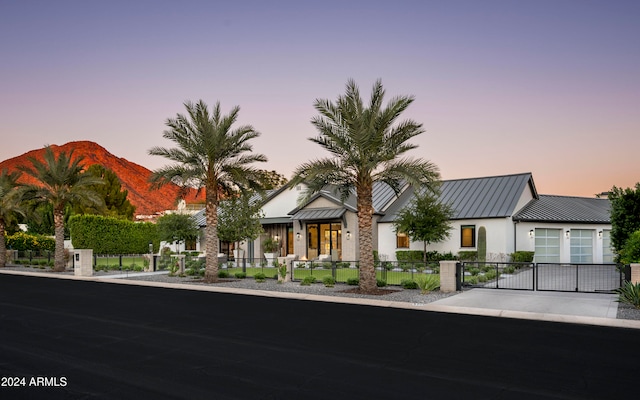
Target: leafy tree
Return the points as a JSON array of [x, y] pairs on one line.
[[62, 182], [177, 228], [115, 199], [210, 156], [630, 253], [10, 207], [425, 219], [273, 180], [625, 215], [239, 219], [366, 146]]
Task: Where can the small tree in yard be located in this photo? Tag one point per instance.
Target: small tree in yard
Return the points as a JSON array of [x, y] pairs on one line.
[[239, 219], [10, 207], [425, 219], [177, 228]]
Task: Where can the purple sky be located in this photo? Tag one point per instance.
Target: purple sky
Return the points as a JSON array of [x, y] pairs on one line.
[[501, 87]]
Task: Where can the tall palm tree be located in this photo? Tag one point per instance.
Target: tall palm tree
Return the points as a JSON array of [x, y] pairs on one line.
[[366, 146], [62, 182], [213, 156], [10, 206]]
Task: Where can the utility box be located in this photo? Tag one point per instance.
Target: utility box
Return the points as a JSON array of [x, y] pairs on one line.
[[83, 262]]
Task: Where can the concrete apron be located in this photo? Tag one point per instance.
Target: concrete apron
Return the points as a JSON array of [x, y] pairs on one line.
[[560, 303]]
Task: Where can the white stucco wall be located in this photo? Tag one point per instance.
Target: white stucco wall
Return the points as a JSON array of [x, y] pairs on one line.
[[283, 203]]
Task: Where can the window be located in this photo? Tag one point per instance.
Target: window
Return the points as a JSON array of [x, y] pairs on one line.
[[547, 245], [581, 246], [402, 240], [468, 236]]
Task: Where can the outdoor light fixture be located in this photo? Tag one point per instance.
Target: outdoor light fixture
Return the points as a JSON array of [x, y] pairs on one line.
[[531, 233], [599, 234], [298, 236], [348, 235], [276, 237], [567, 233]]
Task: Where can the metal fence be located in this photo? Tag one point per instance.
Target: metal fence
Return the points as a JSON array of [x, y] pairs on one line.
[[605, 278]]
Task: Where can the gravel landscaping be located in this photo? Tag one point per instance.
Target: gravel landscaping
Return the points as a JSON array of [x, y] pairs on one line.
[[392, 293]]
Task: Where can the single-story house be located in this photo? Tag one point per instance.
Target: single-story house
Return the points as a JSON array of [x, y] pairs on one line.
[[560, 229]]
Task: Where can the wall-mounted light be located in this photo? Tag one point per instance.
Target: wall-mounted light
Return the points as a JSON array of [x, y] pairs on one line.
[[348, 235], [567, 234], [599, 234], [531, 233], [298, 236], [276, 238]]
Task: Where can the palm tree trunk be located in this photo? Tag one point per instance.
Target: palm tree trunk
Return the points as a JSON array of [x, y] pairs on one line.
[[3, 246], [58, 222], [211, 234], [365, 233]]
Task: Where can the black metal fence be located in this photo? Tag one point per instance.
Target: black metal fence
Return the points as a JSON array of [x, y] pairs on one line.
[[598, 278]]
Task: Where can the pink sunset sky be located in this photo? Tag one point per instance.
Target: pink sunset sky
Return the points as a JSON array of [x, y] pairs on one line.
[[501, 87]]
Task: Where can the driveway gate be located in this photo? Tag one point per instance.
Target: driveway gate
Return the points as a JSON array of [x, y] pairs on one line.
[[590, 278]]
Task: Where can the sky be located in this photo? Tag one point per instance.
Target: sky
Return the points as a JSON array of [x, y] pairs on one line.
[[550, 87]]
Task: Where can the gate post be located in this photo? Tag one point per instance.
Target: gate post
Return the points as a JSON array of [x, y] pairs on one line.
[[635, 273], [448, 278]]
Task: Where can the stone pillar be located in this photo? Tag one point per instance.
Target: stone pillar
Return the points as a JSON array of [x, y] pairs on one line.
[[635, 273], [448, 276], [83, 262]]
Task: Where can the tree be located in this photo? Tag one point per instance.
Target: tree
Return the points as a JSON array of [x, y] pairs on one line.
[[115, 199], [239, 218], [62, 182], [274, 180], [10, 207], [625, 215], [177, 228], [426, 219], [210, 156], [366, 146]]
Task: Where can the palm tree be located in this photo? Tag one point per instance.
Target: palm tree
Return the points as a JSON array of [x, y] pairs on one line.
[[213, 156], [10, 206], [366, 147], [62, 182]]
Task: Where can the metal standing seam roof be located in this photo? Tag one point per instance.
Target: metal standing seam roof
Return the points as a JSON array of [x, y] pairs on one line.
[[319, 213], [549, 208], [488, 197]]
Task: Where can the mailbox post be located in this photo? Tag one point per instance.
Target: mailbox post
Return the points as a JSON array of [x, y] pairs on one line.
[[83, 262]]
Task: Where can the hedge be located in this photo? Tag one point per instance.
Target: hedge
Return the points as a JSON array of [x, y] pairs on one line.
[[108, 235], [522, 256], [22, 241]]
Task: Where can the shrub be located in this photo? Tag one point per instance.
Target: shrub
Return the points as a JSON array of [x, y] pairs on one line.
[[629, 293], [381, 283], [474, 270], [23, 241], [259, 277], [240, 275], [482, 278], [510, 269], [468, 255], [471, 280], [353, 281], [409, 284], [329, 281], [491, 274], [428, 283], [410, 255], [522, 256], [630, 253], [308, 280], [223, 274]]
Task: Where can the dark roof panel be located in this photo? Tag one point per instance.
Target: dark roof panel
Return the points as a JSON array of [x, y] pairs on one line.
[[548, 208]]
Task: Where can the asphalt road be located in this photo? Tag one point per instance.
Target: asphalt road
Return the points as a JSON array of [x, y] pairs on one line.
[[87, 340]]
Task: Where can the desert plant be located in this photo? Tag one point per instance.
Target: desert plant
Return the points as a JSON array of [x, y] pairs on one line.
[[428, 283], [329, 281], [629, 293]]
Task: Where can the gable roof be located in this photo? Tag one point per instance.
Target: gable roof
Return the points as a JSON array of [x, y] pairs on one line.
[[548, 208], [472, 198]]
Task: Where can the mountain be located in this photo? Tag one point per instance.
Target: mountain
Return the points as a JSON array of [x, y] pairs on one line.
[[133, 177]]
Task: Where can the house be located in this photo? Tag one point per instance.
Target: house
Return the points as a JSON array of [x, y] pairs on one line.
[[559, 229]]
